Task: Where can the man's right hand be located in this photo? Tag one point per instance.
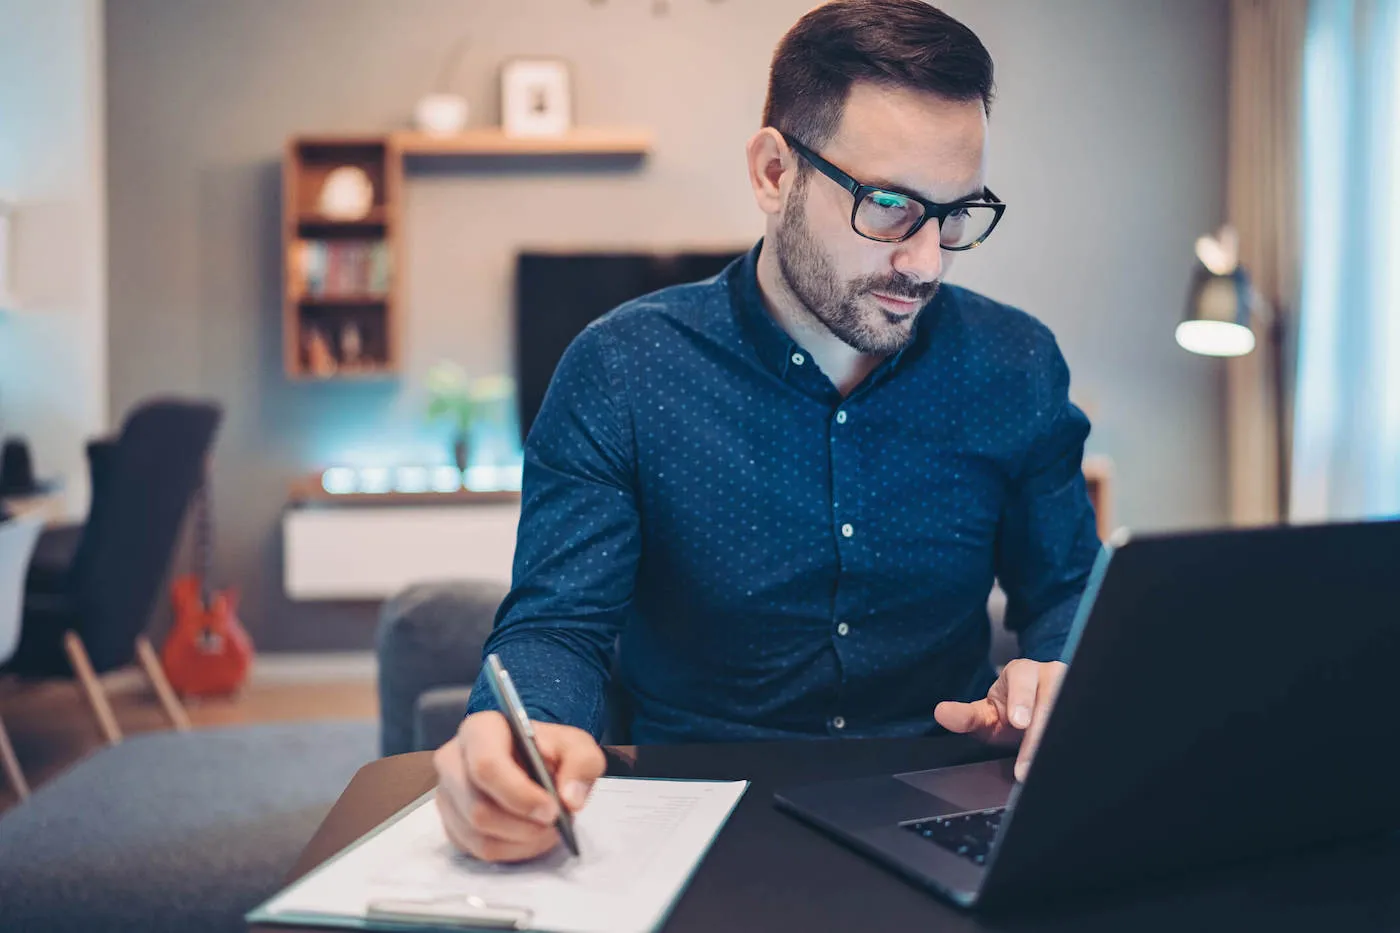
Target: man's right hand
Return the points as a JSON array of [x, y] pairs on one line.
[[490, 806]]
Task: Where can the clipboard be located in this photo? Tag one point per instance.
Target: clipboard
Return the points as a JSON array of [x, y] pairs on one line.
[[465, 908], [466, 912]]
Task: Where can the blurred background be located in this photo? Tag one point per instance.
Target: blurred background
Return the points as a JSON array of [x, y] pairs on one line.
[[352, 237]]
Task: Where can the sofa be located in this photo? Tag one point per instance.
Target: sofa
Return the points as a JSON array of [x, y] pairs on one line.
[[173, 831]]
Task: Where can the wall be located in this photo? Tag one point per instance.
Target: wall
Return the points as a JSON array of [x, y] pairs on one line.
[[1108, 145], [53, 346]]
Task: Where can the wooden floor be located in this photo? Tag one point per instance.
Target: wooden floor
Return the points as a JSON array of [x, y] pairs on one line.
[[52, 727]]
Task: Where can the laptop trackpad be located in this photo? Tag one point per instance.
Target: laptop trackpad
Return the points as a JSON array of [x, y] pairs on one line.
[[971, 787]]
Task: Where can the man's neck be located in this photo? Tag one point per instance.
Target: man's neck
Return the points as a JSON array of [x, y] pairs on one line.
[[844, 365]]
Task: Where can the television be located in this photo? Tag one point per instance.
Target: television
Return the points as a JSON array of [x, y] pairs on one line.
[[558, 294]]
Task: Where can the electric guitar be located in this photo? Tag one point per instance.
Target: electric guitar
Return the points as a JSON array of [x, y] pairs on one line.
[[208, 652]]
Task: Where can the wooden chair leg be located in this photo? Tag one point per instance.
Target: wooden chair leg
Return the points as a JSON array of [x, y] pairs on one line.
[[11, 763], [92, 687], [156, 675]]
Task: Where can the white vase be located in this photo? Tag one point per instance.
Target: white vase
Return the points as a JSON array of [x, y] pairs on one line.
[[441, 114]]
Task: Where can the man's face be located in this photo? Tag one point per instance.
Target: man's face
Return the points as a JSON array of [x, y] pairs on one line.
[[868, 293]]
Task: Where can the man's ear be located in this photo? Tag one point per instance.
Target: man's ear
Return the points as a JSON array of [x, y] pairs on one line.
[[771, 163]]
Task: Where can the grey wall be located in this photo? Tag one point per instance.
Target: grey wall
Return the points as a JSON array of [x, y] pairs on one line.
[[1108, 143]]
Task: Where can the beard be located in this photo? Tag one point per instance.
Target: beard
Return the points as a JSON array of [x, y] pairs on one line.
[[812, 278]]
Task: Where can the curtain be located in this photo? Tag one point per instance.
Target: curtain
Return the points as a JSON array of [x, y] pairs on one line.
[[1346, 448], [1266, 86]]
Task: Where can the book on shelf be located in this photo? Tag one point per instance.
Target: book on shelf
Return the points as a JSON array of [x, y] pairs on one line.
[[341, 268]]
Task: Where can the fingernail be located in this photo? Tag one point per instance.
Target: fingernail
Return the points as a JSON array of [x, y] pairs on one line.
[[544, 813], [1021, 717], [576, 794]]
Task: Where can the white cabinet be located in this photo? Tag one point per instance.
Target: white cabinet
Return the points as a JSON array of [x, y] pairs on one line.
[[373, 551]]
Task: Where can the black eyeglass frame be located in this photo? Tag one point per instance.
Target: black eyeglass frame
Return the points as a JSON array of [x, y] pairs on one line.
[[859, 191]]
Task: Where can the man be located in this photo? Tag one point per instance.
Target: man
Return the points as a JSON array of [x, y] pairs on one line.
[[782, 495]]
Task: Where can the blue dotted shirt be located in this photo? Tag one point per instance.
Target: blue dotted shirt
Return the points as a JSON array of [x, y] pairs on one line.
[[767, 559]]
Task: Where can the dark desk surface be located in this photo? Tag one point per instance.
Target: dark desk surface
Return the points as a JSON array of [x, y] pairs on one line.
[[767, 871]]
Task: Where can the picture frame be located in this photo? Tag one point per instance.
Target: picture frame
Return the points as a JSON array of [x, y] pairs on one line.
[[536, 97]]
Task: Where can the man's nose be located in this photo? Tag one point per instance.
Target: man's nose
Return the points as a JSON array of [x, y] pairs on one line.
[[920, 258]]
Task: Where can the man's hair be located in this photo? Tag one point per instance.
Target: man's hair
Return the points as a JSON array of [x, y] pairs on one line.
[[896, 43]]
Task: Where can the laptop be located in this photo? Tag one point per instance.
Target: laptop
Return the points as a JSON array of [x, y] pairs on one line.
[[1230, 694]]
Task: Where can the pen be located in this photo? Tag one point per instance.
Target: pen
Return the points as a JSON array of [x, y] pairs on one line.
[[499, 679]]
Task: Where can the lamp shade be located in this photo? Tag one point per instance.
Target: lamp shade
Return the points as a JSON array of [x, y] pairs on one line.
[[1217, 314]]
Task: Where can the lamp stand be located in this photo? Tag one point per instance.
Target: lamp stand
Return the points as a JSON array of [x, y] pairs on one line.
[[1277, 353]]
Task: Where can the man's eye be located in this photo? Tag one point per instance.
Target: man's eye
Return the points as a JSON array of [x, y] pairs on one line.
[[891, 201]]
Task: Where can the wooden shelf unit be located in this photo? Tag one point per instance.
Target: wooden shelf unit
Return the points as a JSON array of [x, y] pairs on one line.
[[583, 141], [379, 317], [375, 315], [375, 218]]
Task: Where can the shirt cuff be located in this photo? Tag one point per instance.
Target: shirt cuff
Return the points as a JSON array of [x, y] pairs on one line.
[[1045, 638], [554, 683]]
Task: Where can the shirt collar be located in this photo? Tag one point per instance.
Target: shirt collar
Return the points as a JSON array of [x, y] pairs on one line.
[[772, 344]]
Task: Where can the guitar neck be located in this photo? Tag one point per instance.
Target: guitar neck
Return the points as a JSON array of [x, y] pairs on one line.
[[204, 539]]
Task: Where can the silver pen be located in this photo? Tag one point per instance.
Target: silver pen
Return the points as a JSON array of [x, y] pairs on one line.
[[509, 701]]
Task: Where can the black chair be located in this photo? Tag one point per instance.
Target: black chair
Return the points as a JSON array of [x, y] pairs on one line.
[[91, 587]]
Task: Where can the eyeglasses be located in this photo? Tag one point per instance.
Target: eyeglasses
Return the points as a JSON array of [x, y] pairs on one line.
[[892, 216]]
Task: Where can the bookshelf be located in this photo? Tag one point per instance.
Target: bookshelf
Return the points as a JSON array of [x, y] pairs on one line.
[[340, 303], [342, 314]]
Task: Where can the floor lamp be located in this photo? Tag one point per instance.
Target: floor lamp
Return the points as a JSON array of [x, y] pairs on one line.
[[1219, 310]]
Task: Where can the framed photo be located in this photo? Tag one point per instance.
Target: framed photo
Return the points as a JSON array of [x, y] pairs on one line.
[[535, 97]]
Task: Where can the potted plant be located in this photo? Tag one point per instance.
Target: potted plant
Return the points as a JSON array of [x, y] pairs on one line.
[[460, 400]]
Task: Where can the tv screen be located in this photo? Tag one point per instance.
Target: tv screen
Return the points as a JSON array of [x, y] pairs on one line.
[[558, 294]]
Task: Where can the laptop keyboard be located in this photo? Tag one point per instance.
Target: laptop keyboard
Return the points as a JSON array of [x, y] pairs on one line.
[[967, 834]]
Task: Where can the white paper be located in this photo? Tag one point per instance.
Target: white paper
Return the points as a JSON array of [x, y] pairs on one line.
[[640, 840]]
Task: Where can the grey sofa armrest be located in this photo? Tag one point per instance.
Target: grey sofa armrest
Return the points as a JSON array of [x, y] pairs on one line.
[[430, 635], [437, 714]]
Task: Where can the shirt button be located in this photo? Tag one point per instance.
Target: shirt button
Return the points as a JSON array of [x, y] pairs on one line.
[[838, 722], [840, 417], [798, 359], [843, 629], [847, 531]]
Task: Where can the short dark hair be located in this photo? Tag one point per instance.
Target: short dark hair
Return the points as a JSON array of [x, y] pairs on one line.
[[898, 43]]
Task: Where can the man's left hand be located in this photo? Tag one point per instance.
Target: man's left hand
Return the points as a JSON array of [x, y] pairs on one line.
[[1015, 709]]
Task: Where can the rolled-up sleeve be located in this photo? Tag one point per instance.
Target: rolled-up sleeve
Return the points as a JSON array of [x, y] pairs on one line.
[[577, 547], [1048, 538]]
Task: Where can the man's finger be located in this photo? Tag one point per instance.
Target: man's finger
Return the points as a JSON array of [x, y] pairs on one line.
[[493, 770], [452, 823], [498, 850], [450, 764], [577, 761], [1022, 681], [1050, 675], [486, 819], [966, 717]]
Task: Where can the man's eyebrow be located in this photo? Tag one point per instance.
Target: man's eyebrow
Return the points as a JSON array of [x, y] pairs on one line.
[[885, 184]]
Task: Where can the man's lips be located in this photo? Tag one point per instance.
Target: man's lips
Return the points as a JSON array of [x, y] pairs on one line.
[[897, 305]]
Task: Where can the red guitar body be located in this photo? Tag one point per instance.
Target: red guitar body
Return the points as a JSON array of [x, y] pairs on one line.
[[207, 653]]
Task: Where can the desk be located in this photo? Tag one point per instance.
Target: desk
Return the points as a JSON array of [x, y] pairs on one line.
[[769, 872]]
